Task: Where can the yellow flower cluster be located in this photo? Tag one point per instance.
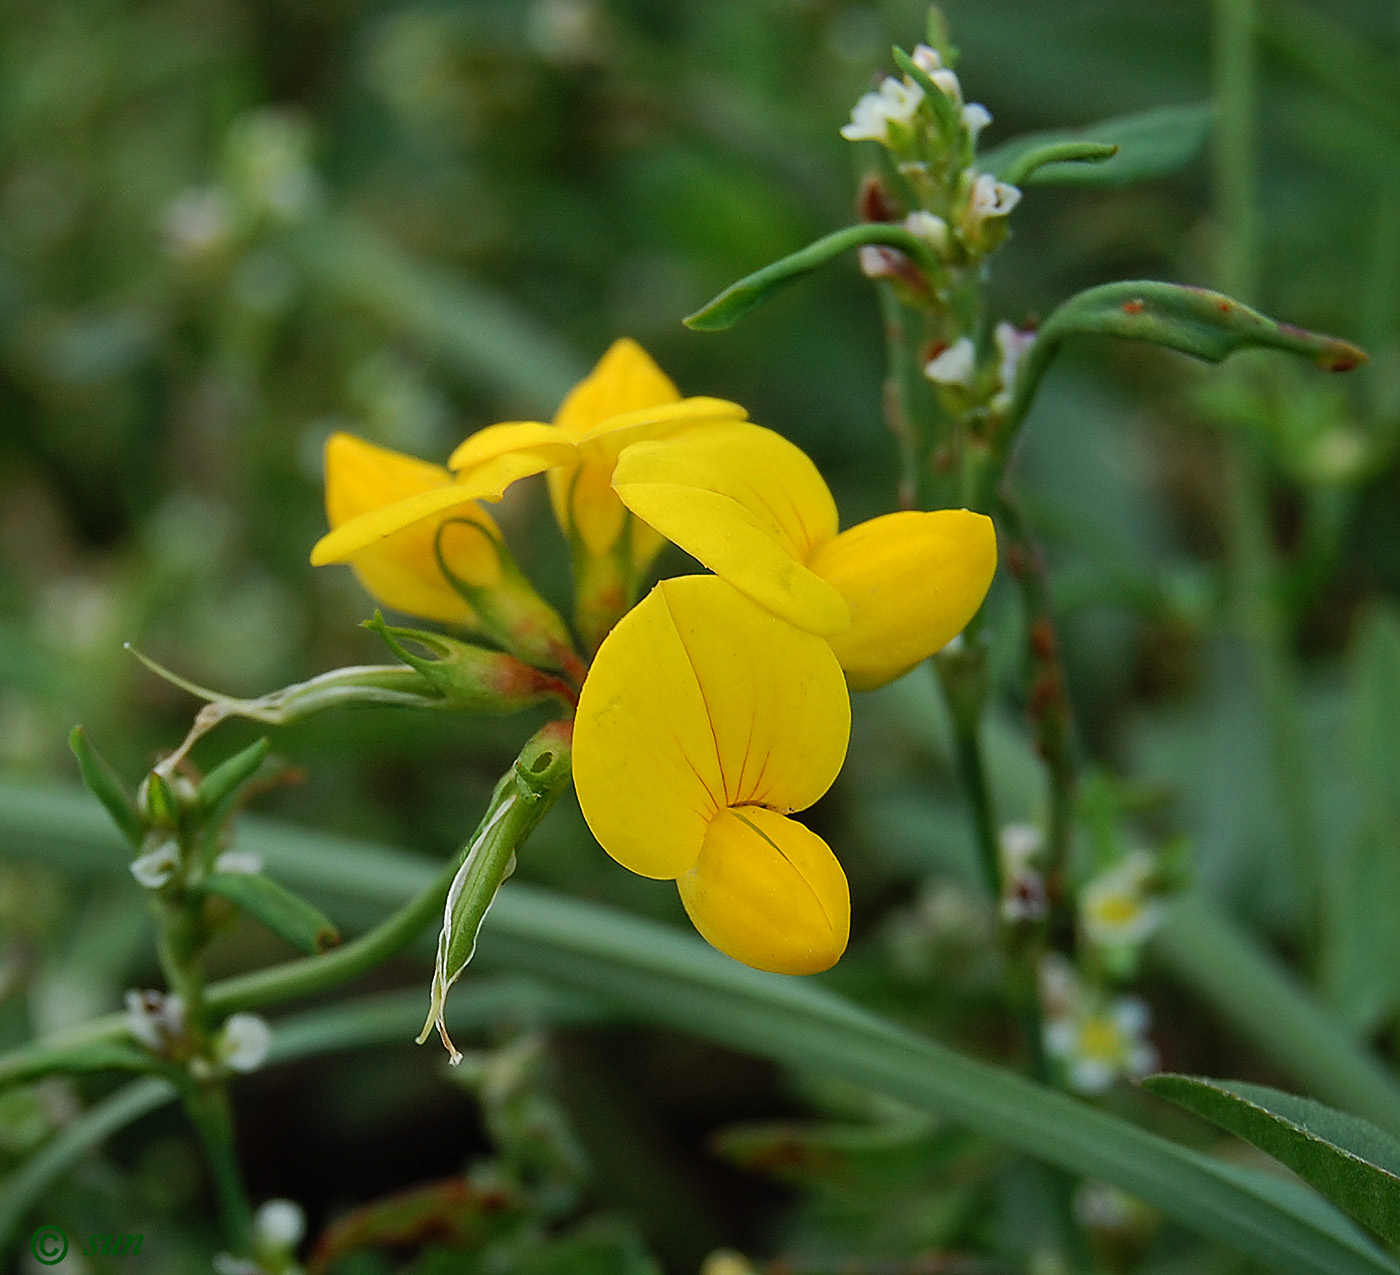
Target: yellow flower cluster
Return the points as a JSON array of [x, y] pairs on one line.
[[718, 705]]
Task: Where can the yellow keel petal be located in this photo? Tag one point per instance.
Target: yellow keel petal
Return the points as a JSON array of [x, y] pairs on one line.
[[768, 892]]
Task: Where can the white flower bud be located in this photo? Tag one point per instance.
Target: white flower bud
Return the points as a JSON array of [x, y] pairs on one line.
[[243, 863], [278, 1226], [975, 117], [243, 1043], [929, 227], [154, 1019]]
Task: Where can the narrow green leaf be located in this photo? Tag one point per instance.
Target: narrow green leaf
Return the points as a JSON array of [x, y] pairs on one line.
[[753, 290], [1374, 708], [1148, 144], [106, 785], [1025, 168], [1195, 321], [287, 915], [221, 783], [1346, 1158], [79, 1058]]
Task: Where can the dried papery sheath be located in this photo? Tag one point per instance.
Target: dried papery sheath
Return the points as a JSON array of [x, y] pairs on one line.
[[522, 798]]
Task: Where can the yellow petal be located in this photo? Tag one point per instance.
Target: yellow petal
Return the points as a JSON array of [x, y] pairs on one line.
[[748, 504], [400, 568], [485, 482], [662, 421], [913, 581], [768, 892], [624, 380], [698, 700], [585, 504], [494, 441]]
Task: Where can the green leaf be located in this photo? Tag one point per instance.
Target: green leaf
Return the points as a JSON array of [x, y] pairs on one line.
[[753, 290], [106, 785], [1346, 1158], [79, 1058], [287, 915], [1374, 710], [223, 782], [1148, 144]]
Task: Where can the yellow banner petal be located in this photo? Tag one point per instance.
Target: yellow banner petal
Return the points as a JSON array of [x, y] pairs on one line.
[[768, 892], [624, 380], [913, 581], [662, 421]]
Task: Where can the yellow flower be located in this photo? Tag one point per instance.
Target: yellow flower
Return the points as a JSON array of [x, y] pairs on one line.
[[400, 570], [704, 723], [753, 508], [625, 398]]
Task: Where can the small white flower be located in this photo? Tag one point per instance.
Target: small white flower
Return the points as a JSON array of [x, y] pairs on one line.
[[991, 198], [1117, 907], [975, 117], [155, 867], [954, 366], [243, 863], [154, 1019], [929, 227], [243, 1043], [1099, 1042], [894, 103], [278, 1226], [927, 59]]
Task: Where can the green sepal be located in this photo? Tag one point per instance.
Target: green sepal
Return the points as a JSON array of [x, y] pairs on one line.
[[471, 678], [223, 782], [1348, 1159], [287, 915], [522, 798], [157, 802], [106, 785], [753, 290], [1150, 144], [118, 1054]]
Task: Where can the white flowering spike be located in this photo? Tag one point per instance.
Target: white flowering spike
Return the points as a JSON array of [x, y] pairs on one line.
[[895, 102], [1118, 907], [155, 867], [243, 1043], [957, 365]]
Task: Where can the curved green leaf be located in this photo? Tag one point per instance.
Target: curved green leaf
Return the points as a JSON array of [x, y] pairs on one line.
[[287, 915], [1346, 1158], [1148, 144], [753, 290]]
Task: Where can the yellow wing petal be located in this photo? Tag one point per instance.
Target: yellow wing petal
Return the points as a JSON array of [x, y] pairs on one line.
[[748, 504], [768, 892], [624, 380], [913, 581], [512, 437], [399, 569]]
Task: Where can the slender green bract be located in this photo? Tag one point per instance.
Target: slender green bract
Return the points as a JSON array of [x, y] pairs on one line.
[[1145, 145], [1346, 1158], [753, 290]]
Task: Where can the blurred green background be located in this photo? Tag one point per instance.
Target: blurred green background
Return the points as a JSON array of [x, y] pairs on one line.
[[227, 229]]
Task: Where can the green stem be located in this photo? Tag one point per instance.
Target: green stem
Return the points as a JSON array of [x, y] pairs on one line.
[[207, 1105], [1234, 91]]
